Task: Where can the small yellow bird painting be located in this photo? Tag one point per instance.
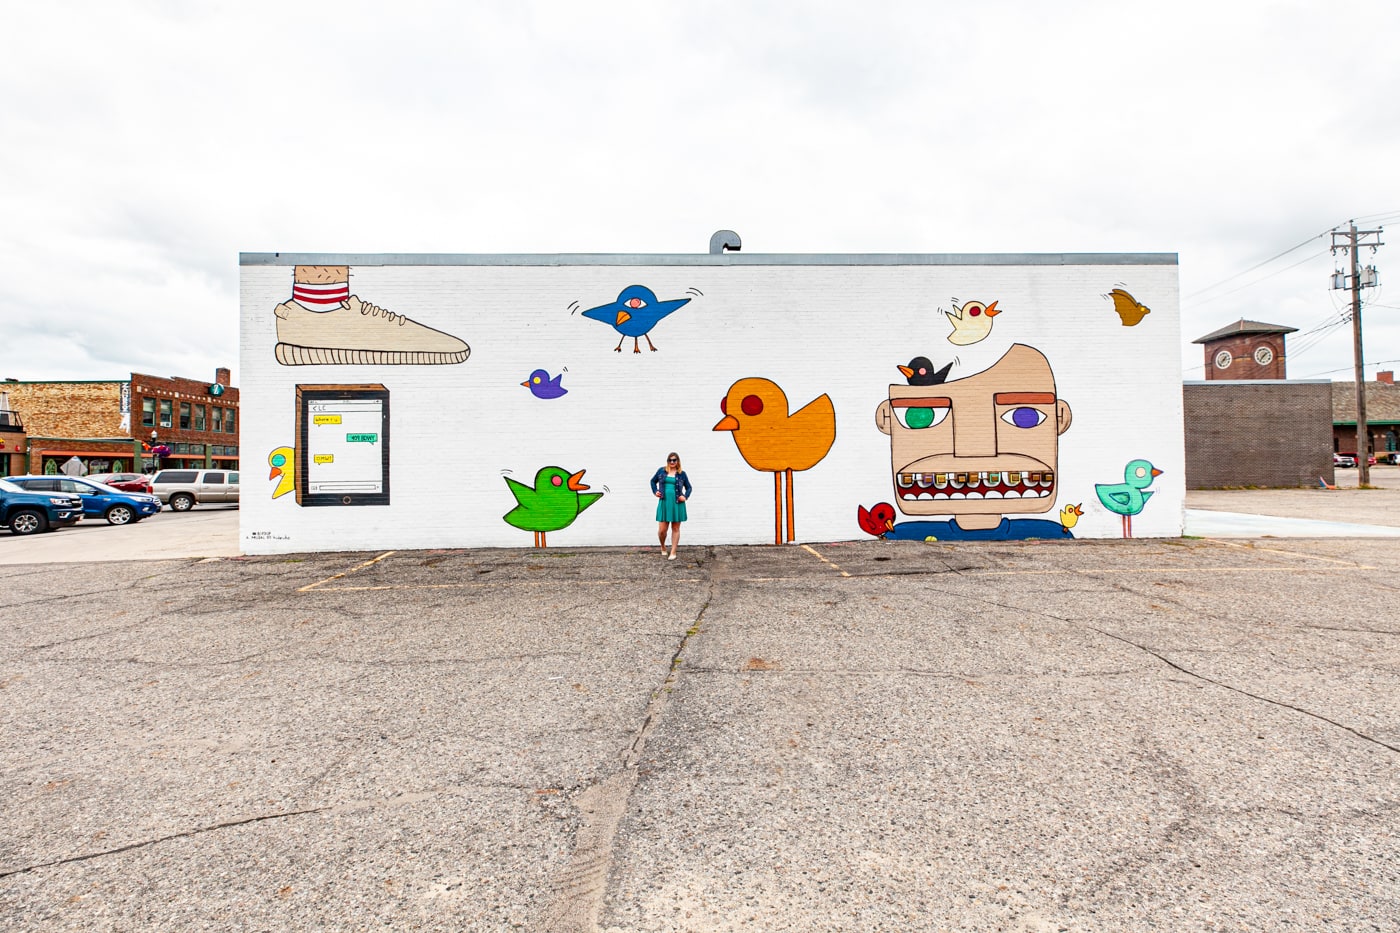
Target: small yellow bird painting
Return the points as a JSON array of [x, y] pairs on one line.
[[972, 322], [1129, 309], [283, 463], [1069, 515]]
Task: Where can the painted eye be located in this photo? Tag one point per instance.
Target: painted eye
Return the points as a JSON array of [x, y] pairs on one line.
[[1141, 472], [279, 460], [1024, 417], [752, 405], [973, 312], [724, 405], [557, 480], [536, 380], [918, 418], [635, 303]]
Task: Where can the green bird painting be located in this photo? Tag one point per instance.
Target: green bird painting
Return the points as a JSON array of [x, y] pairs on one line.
[[553, 503], [1128, 497]]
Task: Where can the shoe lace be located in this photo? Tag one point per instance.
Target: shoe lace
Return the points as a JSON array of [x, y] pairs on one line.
[[376, 311]]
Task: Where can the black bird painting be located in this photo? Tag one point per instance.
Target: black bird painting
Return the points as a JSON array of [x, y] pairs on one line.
[[920, 372]]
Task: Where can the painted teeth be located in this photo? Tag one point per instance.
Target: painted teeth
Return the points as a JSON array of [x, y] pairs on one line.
[[1024, 485]]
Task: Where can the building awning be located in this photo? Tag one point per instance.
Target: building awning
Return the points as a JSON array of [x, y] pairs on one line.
[[65, 452]]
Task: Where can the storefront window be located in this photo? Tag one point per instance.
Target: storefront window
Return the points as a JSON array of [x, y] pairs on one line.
[[148, 412]]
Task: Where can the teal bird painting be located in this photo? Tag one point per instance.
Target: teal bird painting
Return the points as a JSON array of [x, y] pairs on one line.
[[1128, 497], [555, 500]]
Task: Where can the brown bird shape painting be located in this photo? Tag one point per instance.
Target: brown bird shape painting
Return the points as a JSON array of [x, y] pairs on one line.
[[774, 441], [1129, 309]]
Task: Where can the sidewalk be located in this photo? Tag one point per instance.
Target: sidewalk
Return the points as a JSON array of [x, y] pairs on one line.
[[1300, 513]]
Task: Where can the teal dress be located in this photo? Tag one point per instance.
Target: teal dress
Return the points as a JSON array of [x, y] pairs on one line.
[[667, 508]]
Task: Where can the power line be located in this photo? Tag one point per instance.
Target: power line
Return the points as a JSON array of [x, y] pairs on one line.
[[1261, 278], [1257, 266]]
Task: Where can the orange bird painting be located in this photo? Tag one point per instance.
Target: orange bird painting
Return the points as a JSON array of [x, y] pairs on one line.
[[773, 441]]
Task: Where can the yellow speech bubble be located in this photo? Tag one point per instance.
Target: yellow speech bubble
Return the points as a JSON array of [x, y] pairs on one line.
[[326, 419], [325, 458]]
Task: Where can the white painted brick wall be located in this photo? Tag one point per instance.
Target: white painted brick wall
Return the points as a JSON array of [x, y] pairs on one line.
[[840, 330]]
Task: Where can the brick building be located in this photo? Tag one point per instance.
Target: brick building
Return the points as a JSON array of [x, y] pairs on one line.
[[1247, 423], [1382, 416], [1258, 432], [114, 425]]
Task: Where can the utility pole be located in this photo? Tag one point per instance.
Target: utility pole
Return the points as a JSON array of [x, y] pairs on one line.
[[1351, 241]]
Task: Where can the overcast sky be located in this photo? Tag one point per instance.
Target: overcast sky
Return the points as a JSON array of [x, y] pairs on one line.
[[143, 145]]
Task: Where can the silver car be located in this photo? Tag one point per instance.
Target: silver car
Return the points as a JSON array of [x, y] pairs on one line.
[[184, 489]]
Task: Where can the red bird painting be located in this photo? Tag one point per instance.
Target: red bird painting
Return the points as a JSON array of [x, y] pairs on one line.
[[877, 519]]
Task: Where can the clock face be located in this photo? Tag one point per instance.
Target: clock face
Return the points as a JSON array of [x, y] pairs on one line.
[[1263, 356], [1223, 359]]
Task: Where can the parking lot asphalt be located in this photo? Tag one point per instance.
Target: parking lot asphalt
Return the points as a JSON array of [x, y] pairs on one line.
[[1186, 734]]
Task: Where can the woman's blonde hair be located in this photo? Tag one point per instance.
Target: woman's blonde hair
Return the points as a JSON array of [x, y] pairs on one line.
[[678, 459]]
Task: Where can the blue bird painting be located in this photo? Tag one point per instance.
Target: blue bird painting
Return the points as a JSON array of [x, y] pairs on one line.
[[1128, 497], [541, 386], [635, 312]]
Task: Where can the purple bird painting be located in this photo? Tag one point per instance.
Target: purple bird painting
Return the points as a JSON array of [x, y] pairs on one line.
[[541, 386]]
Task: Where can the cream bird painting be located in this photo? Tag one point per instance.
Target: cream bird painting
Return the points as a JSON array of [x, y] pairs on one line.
[[972, 322]]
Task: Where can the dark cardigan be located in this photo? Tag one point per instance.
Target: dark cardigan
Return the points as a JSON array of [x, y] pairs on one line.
[[683, 486]]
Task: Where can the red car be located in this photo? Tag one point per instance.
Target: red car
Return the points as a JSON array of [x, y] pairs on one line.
[[1370, 458], [126, 482]]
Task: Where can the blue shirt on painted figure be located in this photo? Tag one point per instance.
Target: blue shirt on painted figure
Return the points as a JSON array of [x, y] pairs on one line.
[[1010, 529]]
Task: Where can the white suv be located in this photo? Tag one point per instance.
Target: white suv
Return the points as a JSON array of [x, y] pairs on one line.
[[184, 489]]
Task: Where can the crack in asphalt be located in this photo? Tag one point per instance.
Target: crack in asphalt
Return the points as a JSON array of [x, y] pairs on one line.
[[1253, 696], [580, 887], [146, 843]]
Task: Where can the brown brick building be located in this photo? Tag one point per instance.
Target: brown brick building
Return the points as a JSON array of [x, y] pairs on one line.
[[1382, 417], [113, 426], [1258, 432]]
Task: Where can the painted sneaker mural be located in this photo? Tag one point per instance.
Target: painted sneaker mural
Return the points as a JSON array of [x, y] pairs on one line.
[[323, 323]]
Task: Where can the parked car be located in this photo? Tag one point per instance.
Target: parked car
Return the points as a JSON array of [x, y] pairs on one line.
[[27, 513], [1391, 457], [184, 489], [1346, 461], [98, 499], [1370, 458], [126, 482]]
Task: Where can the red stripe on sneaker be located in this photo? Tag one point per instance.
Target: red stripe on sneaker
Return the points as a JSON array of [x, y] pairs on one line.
[[321, 294]]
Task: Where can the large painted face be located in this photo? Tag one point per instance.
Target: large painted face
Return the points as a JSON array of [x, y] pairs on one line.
[[979, 447]]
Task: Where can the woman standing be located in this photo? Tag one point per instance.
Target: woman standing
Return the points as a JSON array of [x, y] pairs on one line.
[[672, 487]]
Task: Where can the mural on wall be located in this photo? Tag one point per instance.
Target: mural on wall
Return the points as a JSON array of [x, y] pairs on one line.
[[1130, 310], [771, 440], [635, 312], [553, 503], [981, 448], [971, 450], [542, 386], [972, 322], [322, 323], [1128, 497]]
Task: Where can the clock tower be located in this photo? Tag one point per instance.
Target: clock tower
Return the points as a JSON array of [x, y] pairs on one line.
[[1246, 350]]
